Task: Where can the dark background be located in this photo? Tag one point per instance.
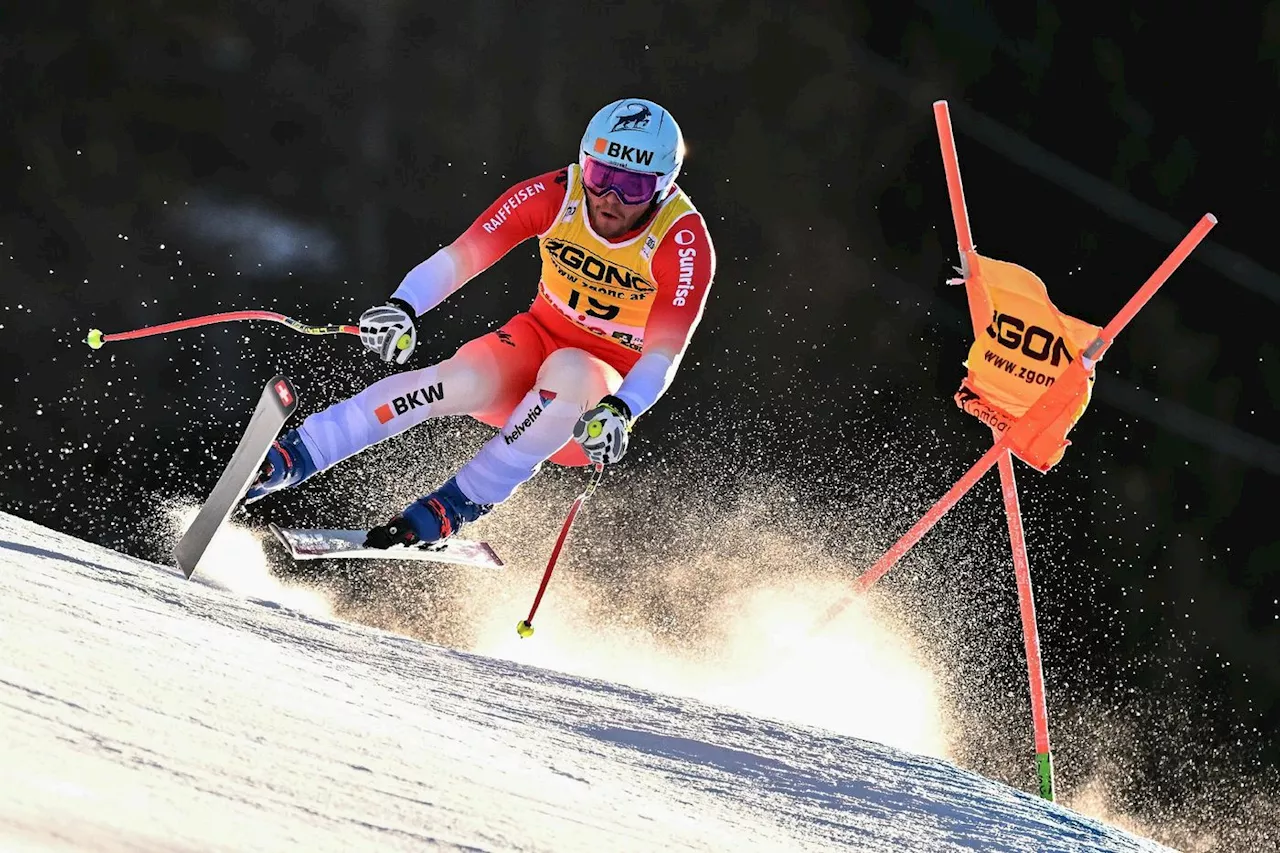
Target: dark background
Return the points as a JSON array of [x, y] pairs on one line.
[[165, 160]]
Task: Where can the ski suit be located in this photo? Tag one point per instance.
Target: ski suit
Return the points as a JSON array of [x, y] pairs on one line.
[[610, 317]]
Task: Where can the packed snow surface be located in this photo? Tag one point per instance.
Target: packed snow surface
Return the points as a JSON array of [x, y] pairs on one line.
[[142, 711]]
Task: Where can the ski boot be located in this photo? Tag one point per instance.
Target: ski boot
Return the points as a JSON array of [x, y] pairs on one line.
[[287, 463], [429, 519]]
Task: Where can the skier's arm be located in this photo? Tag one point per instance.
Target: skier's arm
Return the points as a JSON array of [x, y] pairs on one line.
[[683, 266], [525, 210]]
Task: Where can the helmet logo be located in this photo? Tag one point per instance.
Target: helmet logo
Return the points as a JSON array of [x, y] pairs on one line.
[[628, 153], [637, 120]]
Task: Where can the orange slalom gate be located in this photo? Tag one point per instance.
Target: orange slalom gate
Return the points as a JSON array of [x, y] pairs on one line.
[[1030, 402]]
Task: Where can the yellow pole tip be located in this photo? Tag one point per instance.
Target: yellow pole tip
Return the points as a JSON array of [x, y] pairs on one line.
[[94, 340], [524, 628]]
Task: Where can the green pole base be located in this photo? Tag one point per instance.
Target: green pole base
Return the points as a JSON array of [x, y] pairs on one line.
[[1044, 768], [94, 340]]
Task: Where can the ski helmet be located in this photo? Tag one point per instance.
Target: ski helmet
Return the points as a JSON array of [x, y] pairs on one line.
[[635, 135]]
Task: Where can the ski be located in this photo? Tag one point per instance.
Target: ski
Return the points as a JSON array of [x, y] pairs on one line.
[[349, 544], [277, 403]]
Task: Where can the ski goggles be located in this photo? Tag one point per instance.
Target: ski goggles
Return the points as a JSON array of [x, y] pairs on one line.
[[632, 187]]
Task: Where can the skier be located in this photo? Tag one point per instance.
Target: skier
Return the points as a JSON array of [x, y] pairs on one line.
[[627, 264]]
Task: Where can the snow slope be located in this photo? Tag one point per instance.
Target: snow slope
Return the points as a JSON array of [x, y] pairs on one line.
[[140, 711]]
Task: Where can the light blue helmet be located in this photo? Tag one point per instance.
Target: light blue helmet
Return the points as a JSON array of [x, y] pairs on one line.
[[638, 135]]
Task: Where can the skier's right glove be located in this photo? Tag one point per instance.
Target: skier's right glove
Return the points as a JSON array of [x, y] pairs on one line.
[[397, 531], [389, 332]]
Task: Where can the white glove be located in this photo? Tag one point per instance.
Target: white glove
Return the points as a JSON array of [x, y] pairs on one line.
[[602, 431], [389, 332]]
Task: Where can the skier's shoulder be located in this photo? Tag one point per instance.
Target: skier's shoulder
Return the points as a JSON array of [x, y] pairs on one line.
[[687, 224], [552, 185], [684, 252], [527, 207]]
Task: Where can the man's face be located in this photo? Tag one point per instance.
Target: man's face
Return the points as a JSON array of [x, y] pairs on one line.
[[610, 218]]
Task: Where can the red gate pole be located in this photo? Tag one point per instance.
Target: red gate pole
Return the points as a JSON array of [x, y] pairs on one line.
[[1030, 632]]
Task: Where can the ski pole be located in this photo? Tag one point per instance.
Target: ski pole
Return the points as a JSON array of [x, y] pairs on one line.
[[525, 627], [96, 338]]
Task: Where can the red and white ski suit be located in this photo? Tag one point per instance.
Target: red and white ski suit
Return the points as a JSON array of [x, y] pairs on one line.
[[610, 317]]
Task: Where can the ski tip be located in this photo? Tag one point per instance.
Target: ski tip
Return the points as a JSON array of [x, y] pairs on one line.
[[284, 392], [282, 538]]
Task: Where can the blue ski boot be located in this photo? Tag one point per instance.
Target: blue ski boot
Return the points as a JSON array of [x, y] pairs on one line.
[[287, 464], [429, 519]]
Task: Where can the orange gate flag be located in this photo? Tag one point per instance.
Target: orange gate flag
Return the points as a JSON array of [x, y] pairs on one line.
[[1024, 349]]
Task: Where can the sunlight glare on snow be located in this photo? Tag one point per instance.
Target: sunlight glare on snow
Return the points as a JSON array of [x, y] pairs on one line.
[[857, 676], [236, 560]]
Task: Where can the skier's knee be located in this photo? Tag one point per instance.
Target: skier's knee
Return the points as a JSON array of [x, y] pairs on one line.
[[578, 374], [568, 365], [471, 378]]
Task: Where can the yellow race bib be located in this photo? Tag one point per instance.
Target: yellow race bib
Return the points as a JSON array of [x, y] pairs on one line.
[[605, 288]]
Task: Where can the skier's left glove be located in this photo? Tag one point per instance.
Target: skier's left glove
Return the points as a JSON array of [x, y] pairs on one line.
[[397, 531], [602, 431], [389, 332]]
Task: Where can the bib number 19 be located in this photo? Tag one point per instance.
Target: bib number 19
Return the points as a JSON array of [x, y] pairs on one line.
[[595, 308]]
